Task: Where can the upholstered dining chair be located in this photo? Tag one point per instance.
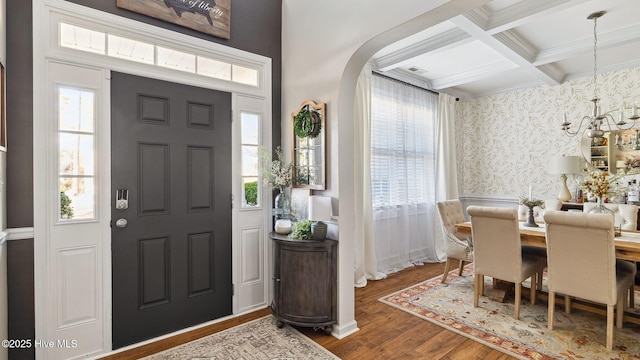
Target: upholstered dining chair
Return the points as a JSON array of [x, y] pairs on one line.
[[582, 263], [456, 248], [498, 252], [626, 215]]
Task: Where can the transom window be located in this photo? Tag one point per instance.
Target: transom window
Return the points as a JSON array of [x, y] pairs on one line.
[[98, 42]]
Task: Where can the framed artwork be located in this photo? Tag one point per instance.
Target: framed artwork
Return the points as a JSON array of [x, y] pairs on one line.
[[208, 16]]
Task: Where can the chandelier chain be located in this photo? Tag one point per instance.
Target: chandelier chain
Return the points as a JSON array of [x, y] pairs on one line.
[[595, 57]]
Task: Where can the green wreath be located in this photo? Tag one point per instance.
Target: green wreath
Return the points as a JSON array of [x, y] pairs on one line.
[[307, 123]]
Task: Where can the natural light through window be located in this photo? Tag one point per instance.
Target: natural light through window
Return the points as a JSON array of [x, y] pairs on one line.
[[79, 38], [76, 153], [127, 48], [178, 60], [132, 50], [250, 129]]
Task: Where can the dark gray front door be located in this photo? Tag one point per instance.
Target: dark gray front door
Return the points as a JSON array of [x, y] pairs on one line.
[[171, 153]]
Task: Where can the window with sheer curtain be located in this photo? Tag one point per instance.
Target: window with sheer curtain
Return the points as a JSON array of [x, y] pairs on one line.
[[403, 162]]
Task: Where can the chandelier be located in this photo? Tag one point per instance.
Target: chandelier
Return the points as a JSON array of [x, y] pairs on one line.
[[594, 122]]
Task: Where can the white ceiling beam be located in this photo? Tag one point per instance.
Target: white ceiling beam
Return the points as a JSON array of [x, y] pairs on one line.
[[506, 47], [521, 13], [475, 74], [623, 36], [432, 45]]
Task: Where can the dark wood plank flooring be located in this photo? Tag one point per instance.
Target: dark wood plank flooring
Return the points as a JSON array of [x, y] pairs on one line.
[[385, 332]]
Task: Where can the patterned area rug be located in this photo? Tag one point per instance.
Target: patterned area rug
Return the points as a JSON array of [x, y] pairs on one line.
[[579, 335], [257, 339]]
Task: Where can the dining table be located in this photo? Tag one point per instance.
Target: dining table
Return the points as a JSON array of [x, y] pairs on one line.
[[627, 245]]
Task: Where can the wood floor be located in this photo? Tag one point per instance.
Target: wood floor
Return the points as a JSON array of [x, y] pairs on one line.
[[385, 332]]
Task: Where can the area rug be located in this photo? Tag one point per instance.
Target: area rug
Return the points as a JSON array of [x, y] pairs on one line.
[[579, 335], [259, 339]]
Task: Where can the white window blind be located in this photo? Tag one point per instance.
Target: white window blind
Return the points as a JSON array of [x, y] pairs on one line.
[[403, 143]]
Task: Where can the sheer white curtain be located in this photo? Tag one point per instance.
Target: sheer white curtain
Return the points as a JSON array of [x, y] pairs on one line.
[[365, 256], [403, 174]]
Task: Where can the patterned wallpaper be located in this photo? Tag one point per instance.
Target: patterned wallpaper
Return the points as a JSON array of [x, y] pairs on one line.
[[504, 141]]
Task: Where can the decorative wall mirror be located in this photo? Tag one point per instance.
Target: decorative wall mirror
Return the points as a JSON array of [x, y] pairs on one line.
[[309, 146], [617, 150]]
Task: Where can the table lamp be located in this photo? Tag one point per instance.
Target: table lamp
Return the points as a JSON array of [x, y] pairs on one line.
[[564, 165], [319, 211]]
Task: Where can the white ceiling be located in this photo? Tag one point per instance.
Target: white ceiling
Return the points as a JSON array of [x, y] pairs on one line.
[[512, 44]]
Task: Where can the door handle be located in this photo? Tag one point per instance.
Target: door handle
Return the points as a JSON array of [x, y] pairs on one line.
[[121, 223]]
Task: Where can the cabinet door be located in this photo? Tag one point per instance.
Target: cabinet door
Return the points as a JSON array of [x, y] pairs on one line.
[[305, 294]]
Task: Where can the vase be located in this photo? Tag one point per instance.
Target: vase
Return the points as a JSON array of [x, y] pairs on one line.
[[282, 207], [531, 221], [600, 208]]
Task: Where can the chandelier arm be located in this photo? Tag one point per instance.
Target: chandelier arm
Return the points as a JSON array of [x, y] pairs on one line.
[[579, 129]]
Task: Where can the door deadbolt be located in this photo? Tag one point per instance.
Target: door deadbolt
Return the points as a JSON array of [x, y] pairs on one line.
[[121, 223]]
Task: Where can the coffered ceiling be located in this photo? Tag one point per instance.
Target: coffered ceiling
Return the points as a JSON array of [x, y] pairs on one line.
[[511, 44]]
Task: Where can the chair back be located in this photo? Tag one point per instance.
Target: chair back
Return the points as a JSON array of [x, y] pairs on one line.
[[496, 242], [581, 255], [450, 214], [626, 214]]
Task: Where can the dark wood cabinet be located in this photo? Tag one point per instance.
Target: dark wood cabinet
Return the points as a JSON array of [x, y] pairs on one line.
[[305, 281]]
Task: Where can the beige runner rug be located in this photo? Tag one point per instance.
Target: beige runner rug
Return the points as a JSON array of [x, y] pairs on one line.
[[259, 339]]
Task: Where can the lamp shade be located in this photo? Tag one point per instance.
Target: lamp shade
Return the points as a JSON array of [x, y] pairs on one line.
[[564, 165], [319, 208]]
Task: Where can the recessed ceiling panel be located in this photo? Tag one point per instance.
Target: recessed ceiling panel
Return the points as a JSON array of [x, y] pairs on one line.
[[463, 59]]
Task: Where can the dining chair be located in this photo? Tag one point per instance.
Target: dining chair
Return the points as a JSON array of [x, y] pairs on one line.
[[626, 215], [498, 252], [582, 263], [456, 248]]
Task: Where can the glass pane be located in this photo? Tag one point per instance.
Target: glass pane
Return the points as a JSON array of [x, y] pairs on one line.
[[250, 194], [76, 156], [250, 128], [250, 160], [77, 198], [130, 49], [245, 75], [178, 60], [76, 109], [214, 68], [75, 37]]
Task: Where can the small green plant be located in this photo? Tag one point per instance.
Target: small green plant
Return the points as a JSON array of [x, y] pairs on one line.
[[301, 230], [66, 211], [251, 193], [307, 122]]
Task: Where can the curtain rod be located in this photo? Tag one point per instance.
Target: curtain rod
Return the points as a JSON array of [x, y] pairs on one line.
[[404, 82]]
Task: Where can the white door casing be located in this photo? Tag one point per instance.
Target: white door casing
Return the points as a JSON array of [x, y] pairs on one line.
[[72, 261]]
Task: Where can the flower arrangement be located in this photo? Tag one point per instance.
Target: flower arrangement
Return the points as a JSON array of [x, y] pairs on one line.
[[632, 162], [276, 173], [531, 203], [603, 184]]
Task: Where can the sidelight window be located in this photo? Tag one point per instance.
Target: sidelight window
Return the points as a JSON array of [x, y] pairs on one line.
[[250, 133], [76, 153]]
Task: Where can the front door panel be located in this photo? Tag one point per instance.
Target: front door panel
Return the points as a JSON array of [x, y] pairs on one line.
[[171, 242]]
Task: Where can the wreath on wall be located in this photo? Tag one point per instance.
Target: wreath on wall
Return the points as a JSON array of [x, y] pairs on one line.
[[307, 123]]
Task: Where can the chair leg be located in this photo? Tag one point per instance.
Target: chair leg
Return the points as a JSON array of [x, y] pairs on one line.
[[476, 289], [460, 267], [447, 268], [610, 327], [540, 276], [516, 314], [534, 286], [632, 296], [620, 309], [552, 303], [567, 304]]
